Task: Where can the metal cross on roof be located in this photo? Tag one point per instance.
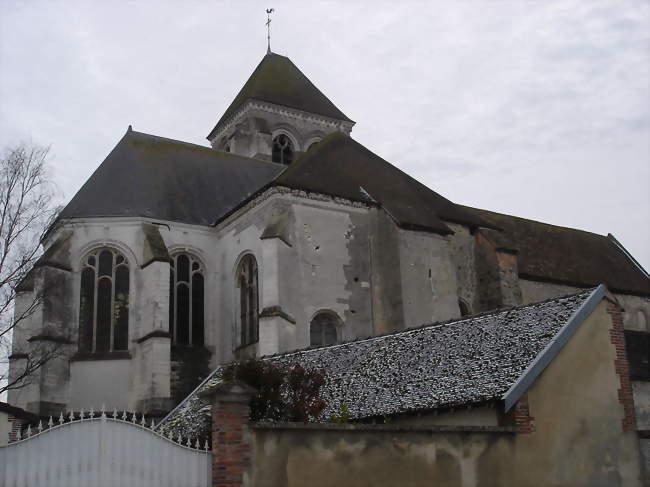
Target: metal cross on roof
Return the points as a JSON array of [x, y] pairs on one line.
[[269, 11]]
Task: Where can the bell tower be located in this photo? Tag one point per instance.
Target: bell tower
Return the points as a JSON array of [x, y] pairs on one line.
[[277, 115]]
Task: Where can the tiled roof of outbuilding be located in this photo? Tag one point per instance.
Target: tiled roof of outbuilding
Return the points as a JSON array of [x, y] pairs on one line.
[[465, 361], [566, 255]]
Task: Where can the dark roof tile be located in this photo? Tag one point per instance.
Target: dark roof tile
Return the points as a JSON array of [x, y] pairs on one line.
[[166, 179], [341, 166], [566, 255], [277, 80]]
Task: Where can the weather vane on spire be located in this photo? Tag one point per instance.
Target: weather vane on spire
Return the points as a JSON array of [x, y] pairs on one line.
[[269, 11]]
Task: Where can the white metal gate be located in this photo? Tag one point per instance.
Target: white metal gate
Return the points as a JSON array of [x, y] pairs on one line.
[[103, 452]]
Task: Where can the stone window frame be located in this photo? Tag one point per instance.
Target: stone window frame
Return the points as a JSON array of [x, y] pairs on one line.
[[247, 316], [338, 328], [292, 138], [90, 262], [311, 142], [196, 267]]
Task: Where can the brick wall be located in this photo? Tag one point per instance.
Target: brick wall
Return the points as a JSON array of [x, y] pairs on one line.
[[622, 367], [16, 425], [524, 422]]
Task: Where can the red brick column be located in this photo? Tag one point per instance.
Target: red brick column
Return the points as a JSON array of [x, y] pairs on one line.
[[231, 448], [622, 367], [524, 422]]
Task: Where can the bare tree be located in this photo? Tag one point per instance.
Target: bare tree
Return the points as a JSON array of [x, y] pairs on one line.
[[26, 212]]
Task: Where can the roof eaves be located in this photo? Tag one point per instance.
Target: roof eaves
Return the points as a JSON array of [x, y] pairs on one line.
[[553, 348]]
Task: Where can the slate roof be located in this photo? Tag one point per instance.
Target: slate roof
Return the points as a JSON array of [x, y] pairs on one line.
[[277, 80], [465, 361], [341, 166], [566, 255], [166, 179]]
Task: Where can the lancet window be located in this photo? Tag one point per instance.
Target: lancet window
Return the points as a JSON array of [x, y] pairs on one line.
[[104, 302], [186, 295], [282, 149], [248, 300]]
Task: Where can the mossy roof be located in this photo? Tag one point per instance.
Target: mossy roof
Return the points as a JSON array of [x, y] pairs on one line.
[[566, 255], [341, 166], [277, 80], [166, 179]]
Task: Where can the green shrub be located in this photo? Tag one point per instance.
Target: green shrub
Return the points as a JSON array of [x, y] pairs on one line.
[[284, 393]]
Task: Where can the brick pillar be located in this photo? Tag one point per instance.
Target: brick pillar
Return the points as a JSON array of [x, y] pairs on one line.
[[622, 367], [231, 446], [524, 422]]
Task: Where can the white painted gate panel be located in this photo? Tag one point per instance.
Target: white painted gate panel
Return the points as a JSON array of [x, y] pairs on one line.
[[102, 452]]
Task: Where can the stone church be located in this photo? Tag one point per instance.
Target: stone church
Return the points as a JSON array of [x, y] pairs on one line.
[[284, 234]]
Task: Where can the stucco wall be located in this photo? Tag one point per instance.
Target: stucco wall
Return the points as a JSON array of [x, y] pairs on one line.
[[428, 278], [5, 428], [365, 455], [575, 403], [100, 383], [642, 403], [463, 255]]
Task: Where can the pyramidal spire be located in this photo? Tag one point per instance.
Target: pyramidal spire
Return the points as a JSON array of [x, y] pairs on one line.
[[278, 81]]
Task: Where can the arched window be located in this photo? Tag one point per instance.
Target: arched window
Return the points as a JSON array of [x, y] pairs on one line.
[[312, 145], [248, 300], [186, 300], [323, 329], [464, 308], [104, 302], [282, 149]]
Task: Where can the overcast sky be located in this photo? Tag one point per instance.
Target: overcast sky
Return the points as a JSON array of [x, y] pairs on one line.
[[539, 109]]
